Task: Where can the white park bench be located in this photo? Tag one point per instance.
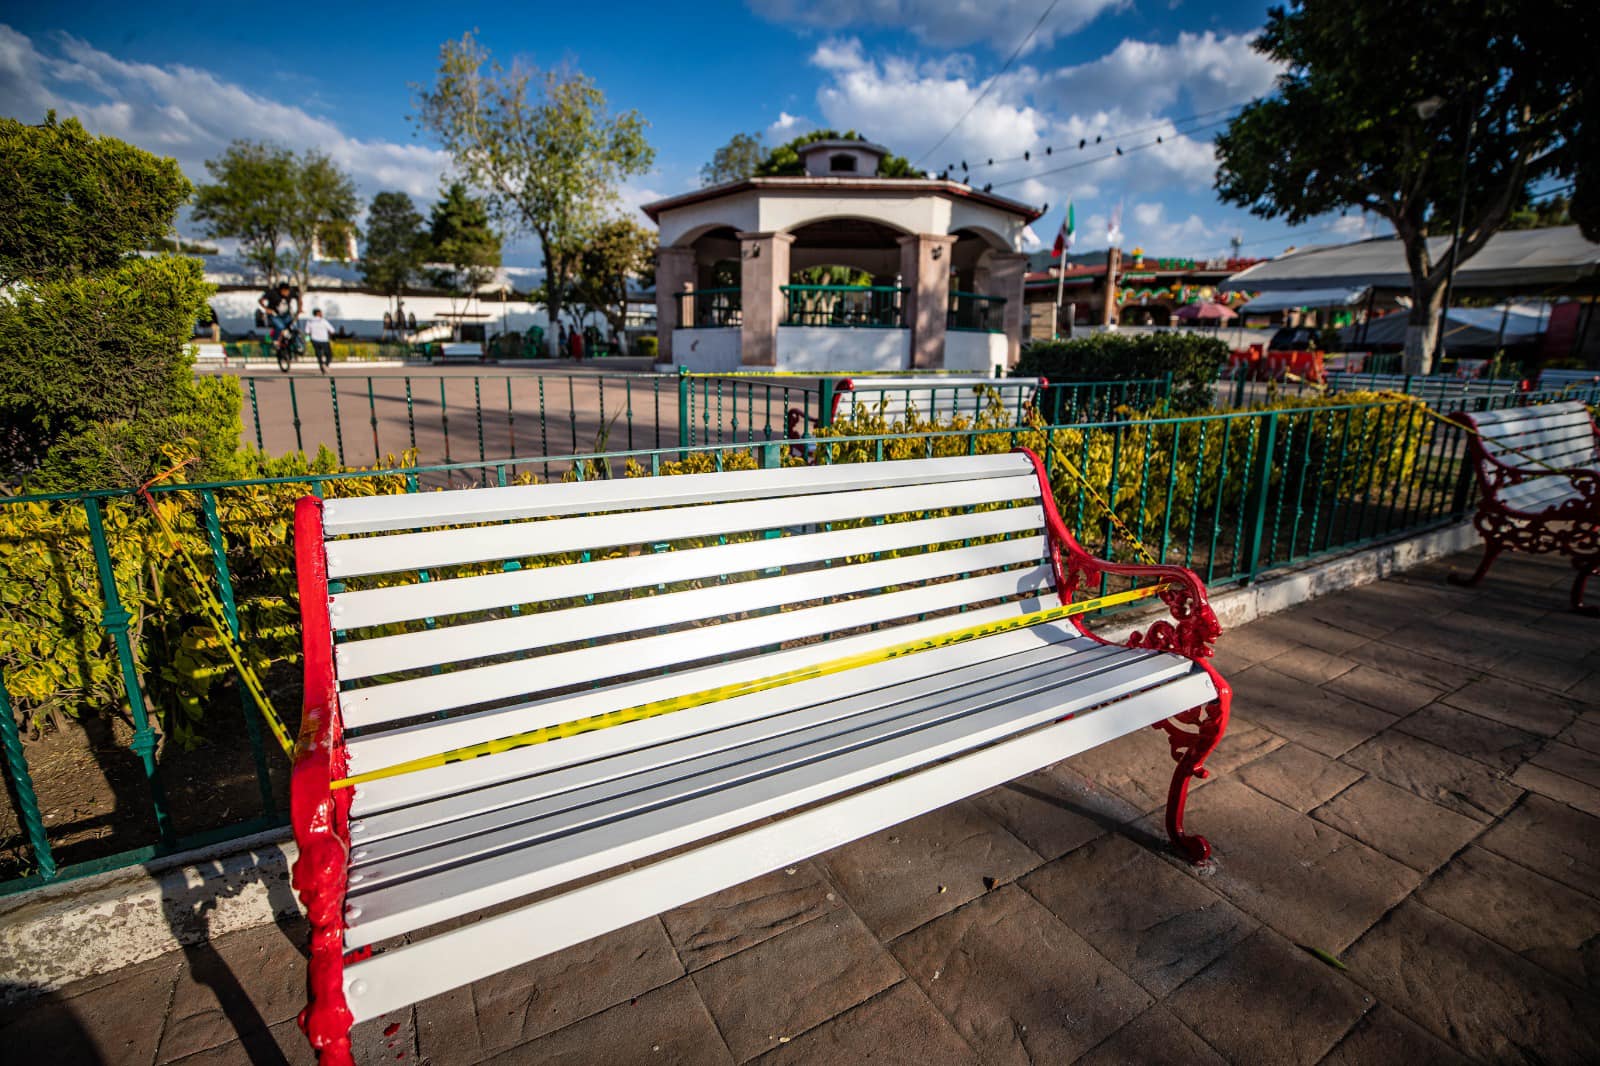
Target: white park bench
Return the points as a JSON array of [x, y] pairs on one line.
[[584, 598], [936, 398], [1556, 380], [1538, 471]]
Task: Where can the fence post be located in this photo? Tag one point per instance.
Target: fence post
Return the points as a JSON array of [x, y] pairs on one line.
[[230, 611], [114, 619], [22, 785], [1262, 477], [683, 410], [1238, 390], [1166, 393], [825, 395]]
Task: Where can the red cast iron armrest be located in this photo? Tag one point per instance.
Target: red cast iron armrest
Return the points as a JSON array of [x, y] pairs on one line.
[[319, 815], [1193, 628]]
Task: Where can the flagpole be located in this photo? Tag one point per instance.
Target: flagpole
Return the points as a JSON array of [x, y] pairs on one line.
[[1061, 281]]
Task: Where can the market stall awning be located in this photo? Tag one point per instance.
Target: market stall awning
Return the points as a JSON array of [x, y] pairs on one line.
[[1513, 262], [1290, 300], [1466, 328]]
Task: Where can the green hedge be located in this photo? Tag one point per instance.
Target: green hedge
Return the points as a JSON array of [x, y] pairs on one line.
[[1193, 360]]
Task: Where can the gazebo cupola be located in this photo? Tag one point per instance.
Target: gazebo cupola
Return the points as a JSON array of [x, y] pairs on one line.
[[840, 269]]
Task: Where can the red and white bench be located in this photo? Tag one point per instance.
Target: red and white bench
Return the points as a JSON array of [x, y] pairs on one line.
[[590, 597], [1538, 471]]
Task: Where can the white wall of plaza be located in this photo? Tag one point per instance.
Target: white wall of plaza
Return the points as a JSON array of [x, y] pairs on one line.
[[979, 353], [361, 313], [705, 351], [829, 348]]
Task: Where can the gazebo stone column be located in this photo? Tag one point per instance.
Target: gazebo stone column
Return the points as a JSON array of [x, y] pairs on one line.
[[763, 271], [675, 273], [925, 272], [1007, 270]]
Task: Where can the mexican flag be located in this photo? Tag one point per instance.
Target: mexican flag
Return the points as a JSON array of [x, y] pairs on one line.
[[1064, 235]]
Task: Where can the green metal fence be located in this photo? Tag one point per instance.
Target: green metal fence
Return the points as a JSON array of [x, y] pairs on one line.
[[444, 418], [868, 306], [1229, 495]]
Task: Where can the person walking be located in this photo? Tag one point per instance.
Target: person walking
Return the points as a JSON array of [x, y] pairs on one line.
[[577, 345], [320, 330]]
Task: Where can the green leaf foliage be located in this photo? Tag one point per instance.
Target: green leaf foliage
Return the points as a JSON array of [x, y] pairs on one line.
[[542, 147], [396, 243], [785, 159], [72, 202], [738, 159], [251, 199], [462, 243], [1193, 360]]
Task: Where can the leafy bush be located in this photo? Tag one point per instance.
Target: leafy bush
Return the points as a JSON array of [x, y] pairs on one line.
[[649, 346], [95, 374], [1193, 360]]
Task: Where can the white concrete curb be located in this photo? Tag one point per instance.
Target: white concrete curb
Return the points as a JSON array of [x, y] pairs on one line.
[[57, 934]]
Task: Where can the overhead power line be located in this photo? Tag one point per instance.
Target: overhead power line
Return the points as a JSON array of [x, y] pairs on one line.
[[1119, 151], [992, 82], [1085, 142]]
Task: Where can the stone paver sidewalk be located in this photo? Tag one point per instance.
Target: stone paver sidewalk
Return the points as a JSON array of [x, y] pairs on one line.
[[1411, 783]]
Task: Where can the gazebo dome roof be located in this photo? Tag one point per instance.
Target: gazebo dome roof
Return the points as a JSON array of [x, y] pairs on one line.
[[836, 143]]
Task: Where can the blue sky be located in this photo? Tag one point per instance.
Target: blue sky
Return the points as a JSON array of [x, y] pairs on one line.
[[183, 80]]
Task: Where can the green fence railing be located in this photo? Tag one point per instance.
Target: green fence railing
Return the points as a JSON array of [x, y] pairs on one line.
[[373, 418], [864, 306], [975, 313], [1229, 495]]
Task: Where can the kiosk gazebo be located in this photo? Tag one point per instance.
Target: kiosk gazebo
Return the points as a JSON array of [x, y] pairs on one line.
[[944, 260]]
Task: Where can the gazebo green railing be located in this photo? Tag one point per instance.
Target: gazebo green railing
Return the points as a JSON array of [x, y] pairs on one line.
[[971, 312], [868, 306], [710, 308]]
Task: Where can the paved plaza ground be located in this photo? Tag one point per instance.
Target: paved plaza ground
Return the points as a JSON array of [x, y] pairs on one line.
[[1411, 783]]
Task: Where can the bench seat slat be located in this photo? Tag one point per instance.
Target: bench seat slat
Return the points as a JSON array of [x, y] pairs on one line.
[[379, 750], [700, 730], [375, 514], [1539, 495], [415, 904], [395, 552], [640, 613], [658, 782], [483, 684], [722, 725], [402, 603], [415, 971]]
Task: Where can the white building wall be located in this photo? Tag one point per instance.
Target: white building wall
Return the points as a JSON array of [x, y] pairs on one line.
[[814, 349], [362, 313], [979, 353], [706, 351]]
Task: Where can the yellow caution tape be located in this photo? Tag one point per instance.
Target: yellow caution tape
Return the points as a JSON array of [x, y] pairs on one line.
[[671, 704], [211, 607], [931, 375], [1145, 553]]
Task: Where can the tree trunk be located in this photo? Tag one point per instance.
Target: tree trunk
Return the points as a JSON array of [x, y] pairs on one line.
[[1422, 326], [552, 299]]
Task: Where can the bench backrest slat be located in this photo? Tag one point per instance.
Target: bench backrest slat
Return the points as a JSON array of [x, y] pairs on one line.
[[1555, 434], [397, 700], [938, 399], [468, 620], [391, 552], [426, 510], [403, 603], [546, 629]]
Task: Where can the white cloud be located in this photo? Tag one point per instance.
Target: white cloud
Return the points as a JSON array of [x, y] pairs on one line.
[[1148, 226], [190, 114], [908, 106], [1000, 24], [786, 127], [1138, 78]]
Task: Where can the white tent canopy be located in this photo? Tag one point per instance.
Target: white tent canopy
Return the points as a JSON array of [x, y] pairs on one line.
[[1292, 299], [1513, 261]]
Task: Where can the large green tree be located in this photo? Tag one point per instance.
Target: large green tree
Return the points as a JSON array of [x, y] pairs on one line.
[[96, 380], [463, 245], [620, 251], [785, 159], [1460, 106], [541, 145], [734, 161], [395, 243], [72, 202], [251, 199], [322, 215]]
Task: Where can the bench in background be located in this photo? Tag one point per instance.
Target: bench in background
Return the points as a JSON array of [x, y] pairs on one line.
[[1538, 471]]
